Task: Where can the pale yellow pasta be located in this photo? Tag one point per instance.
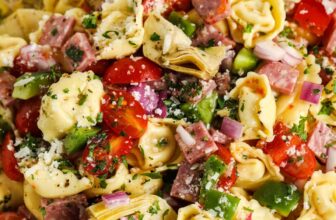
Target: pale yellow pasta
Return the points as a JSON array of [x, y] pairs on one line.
[[121, 31], [61, 6], [9, 48], [256, 106], [32, 200], [50, 182], [22, 22], [193, 212], [290, 107], [6, 115], [320, 197], [251, 207], [157, 147], [174, 50], [11, 192], [137, 184], [252, 21], [76, 13], [34, 37], [112, 184], [253, 166], [142, 204]]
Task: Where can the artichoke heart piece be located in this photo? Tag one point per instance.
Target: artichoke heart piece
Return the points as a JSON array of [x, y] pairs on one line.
[[149, 207], [172, 49]]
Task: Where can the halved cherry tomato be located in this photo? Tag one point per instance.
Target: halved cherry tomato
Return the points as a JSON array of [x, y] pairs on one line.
[[120, 145], [166, 6], [123, 114], [9, 163], [227, 180], [27, 116], [132, 70], [312, 16], [100, 67], [290, 152], [10, 216]]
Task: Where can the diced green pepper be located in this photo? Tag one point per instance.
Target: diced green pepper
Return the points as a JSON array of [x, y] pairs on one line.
[[222, 204], [186, 26], [77, 138], [213, 169], [279, 196], [244, 61], [204, 110], [4, 128], [31, 84]]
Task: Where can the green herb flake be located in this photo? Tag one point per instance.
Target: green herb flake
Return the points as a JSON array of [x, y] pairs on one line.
[[132, 43], [124, 161], [102, 181], [54, 32], [316, 91], [327, 108], [300, 129], [162, 142], [120, 101], [153, 175], [248, 28], [106, 34], [316, 50], [155, 208], [82, 99], [66, 90], [89, 21], [74, 53], [90, 119], [155, 37], [287, 32], [99, 117], [248, 209], [43, 211]]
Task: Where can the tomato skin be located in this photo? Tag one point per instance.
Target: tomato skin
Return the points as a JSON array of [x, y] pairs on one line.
[[123, 114], [120, 145], [311, 15], [27, 116], [128, 70], [296, 166], [9, 163], [10, 216], [100, 67], [226, 182]]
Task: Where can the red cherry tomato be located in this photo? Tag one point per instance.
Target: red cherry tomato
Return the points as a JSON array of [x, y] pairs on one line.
[[132, 70], [290, 152], [123, 114], [227, 180], [27, 116], [166, 6], [311, 15], [120, 145], [9, 163], [100, 67], [10, 216]]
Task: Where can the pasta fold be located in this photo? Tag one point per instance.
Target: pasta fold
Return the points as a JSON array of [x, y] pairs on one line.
[[9, 49]]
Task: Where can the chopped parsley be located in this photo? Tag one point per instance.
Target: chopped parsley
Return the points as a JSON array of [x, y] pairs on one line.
[[334, 86], [155, 37], [132, 43], [43, 211], [327, 108], [66, 90], [316, 91], [102, 181], [231, 105], [287, 32], [153, 175], [100, 117], [89, 21], [120, 101], [82, 99], [242, 107], [329, 70], [75, 53], [248, 28], [106, 34], [299, 129], [155, 208], [124, 161], [161, 142], [315, 50], [54, 32]]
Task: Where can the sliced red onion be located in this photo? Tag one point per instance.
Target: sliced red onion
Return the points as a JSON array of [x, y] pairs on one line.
[[249, 217], [331, 160], [292, 57], [268, 50], [232, 128], [124, 218], [311, 92], [185, 136], [329, 5], [146, 96], [116, 199]]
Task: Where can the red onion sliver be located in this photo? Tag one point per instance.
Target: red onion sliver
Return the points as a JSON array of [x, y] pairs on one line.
[[290, 60], [146, 96], [268, 50], [116, 199], [185, 136], [331, 160], [311, 92], [292, 57], [231, 128]]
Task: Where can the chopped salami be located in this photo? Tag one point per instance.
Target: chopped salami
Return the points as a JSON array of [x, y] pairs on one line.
[[209, 35], [223, 83], [329, 39], [219, 137], [34, 58], [72, 207], [212, 11], [78, 53], [282, 77], [207, 88], [201, 145], [227, 62], [6, 87], [186, 185], [318, 139], [57, 30], [24, 212]]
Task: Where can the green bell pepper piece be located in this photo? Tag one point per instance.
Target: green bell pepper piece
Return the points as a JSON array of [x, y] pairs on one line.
[[31, 84], [213, 169], [279, 196], [244, 61], [186, 26], [222, 204], [77, 138]]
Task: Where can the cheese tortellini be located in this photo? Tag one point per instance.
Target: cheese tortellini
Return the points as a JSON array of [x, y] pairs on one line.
[[150, 207], [320, 197], [73, 100], [253, 166], [290, 107], [11, 192], [193, 212], [32, 200], [256, 106], [173, 50], [121, 31], [9, 49], [252, 21], [60, 6]]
